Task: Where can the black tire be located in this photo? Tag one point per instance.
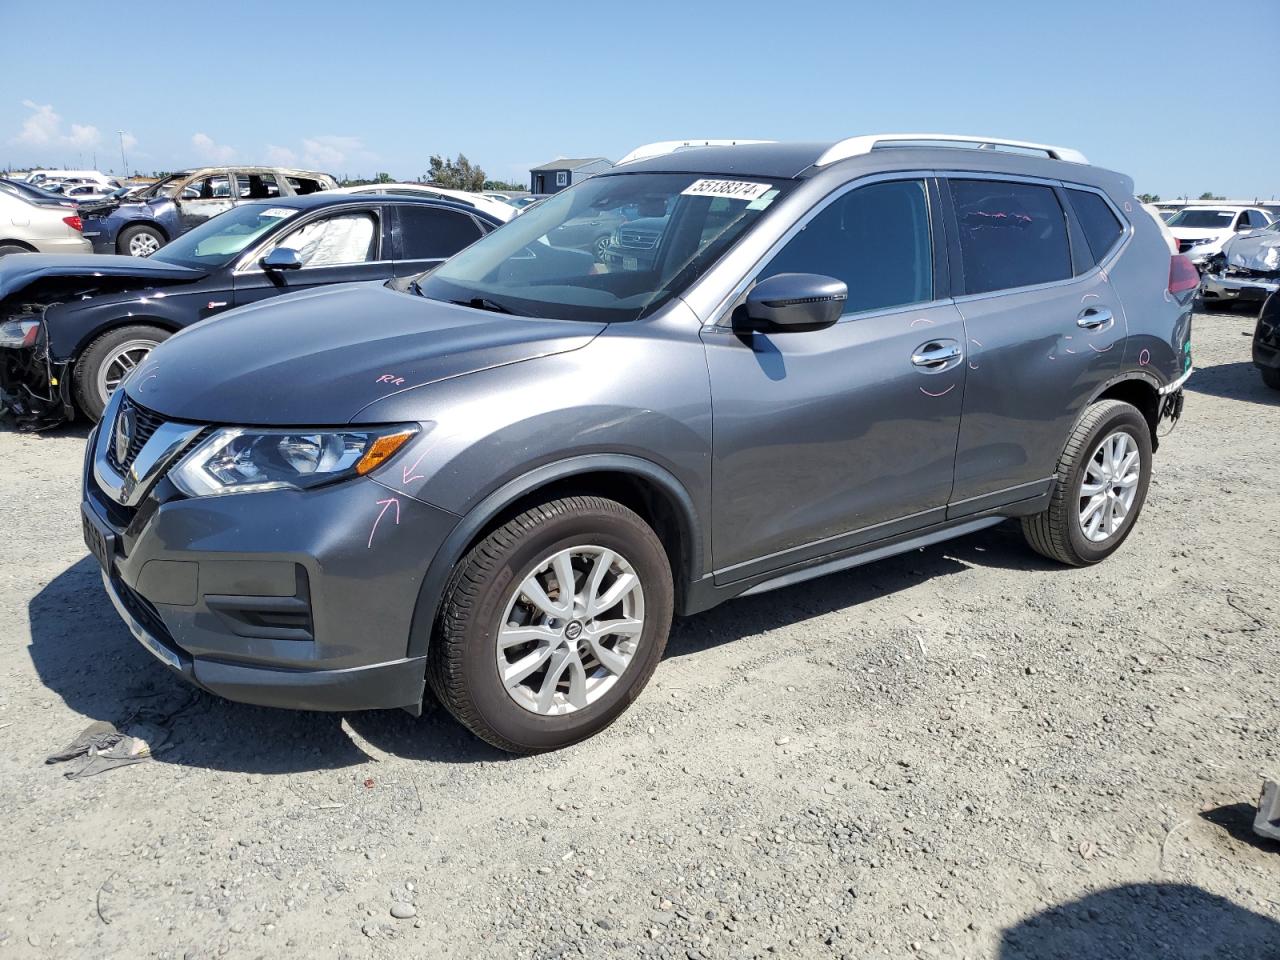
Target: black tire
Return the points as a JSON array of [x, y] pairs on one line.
[[1056, 533], [599, 246], [1271, 377], [84, 379], [462, 665], [124, 240], [8, 248]]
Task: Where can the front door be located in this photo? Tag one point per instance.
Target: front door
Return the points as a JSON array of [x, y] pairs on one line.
[[829, 439], [202, 198], [1045, 329], [342, 246]]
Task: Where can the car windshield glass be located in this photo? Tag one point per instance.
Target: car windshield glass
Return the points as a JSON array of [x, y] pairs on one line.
[[166, 187], [1213, 219], [614, 248], [216, 242]]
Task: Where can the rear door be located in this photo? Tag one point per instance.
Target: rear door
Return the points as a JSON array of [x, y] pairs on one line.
[[830, 439], [342, 245], [425, 235], [1044, 327]]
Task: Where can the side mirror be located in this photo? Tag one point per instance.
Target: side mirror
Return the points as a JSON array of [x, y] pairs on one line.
[[281, 258], [792, 302]]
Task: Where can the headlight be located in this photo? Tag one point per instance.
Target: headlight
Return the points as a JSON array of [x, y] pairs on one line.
[[1203, 241], [249, 460]]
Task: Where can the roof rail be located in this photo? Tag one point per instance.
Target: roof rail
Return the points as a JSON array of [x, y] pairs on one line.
[[671, 146], [857, 146]]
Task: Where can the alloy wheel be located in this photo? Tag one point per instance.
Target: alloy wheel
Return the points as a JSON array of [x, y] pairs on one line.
[[143, 245], [1109, 486], [570, 630], [120, 363]]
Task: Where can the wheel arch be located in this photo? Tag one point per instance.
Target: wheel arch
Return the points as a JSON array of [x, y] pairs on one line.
[[164, 323], [1139, 390], [4, 242], [641, 485], [142, 222]]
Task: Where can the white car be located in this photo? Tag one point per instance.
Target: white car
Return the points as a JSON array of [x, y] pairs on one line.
[[39, 228], [1202, 230], [495, 208], [38, 177]]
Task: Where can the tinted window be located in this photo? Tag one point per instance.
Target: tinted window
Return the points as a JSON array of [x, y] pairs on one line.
[[875, 239], [1011, 234], [1257, 218], [427, 233], [1101, 228]]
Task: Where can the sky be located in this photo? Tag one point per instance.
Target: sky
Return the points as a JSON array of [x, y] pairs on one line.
[[1157, 90]]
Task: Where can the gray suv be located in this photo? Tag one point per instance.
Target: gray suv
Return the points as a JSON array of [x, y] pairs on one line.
[[502, 478]]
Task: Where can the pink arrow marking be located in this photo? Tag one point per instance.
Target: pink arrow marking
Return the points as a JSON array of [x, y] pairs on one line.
[[925, 320], [384, 504], [940, 394], [407, 475]]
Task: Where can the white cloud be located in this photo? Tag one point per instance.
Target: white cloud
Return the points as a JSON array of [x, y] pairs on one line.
[[128, 140], [281, 156], [331, 151], [43, 127], [211, 151]]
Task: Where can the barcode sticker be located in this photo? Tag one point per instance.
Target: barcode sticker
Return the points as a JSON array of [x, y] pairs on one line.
[[730, 189]]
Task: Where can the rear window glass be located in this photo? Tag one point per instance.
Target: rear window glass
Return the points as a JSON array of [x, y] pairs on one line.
[[1101, 228], [1011, 234]]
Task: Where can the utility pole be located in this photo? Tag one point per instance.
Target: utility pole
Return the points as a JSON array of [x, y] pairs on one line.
[[123, 160]]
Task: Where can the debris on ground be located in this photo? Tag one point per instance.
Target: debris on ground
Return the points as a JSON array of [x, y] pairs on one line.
[[1267, 822]]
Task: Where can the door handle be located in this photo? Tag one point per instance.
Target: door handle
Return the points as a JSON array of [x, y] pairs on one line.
[[1094, 317], [935, 355]]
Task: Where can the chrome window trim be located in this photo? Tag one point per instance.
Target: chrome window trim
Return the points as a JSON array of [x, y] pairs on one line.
[[719, 313]]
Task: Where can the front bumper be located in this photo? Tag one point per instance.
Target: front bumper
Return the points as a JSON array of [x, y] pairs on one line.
[[285, 598], [1218, 286]]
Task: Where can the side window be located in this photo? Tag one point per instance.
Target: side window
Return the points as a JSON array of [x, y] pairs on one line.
[[258, 186], [1257, 218], [342, 239], [428, 233], [208, 188], [1101, 228], [874, 238], [1011, 234], [304, 185]]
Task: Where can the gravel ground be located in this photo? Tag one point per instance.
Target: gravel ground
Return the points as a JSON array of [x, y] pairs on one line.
[[961, 752]]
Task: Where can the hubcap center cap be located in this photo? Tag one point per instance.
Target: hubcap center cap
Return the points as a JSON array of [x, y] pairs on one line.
[[573, 630]]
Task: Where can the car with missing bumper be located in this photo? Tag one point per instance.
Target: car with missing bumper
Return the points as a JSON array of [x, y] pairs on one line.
[[1246, 271], [502, 479], [71, 328], [142, 222]]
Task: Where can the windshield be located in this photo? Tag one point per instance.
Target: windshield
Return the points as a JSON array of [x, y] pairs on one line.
[[1211, 219], [614, 248], [165, 187], [217, 241]]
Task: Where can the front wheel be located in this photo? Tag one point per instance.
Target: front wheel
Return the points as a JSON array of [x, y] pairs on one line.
[[552, 625], [1102, 481], [107, 361], [139, 240]]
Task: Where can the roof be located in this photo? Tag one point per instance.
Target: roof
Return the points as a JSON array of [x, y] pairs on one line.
[[566, 163], [251, 168]]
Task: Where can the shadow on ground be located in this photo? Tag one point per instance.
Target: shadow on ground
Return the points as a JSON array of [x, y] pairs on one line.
[[1239, 380], [84, 654], [1144, 921], [1237, 820]]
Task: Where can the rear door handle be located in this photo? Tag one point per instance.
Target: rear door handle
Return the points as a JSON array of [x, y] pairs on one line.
[[1094, 317], [936, 354]]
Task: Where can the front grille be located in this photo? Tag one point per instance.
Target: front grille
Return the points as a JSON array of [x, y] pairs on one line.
[[145, 424], [637, 240]]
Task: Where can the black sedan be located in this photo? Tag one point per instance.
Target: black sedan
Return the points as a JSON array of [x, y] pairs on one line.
[[72, 327]]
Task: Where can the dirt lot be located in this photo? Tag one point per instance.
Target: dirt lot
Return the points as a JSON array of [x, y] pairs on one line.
[[960, 752]]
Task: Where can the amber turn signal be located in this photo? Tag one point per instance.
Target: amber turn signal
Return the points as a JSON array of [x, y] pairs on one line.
[[381, 450]]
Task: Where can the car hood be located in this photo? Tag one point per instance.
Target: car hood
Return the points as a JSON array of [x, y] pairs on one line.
[[1191, 233], [1259, 251], [319, 357], [57, 275]]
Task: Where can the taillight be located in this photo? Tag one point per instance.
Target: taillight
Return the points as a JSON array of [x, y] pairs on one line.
[[75, 223], [1183, 275]]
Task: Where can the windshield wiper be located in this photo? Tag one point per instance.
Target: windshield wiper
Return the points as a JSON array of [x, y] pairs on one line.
[[484, 303]]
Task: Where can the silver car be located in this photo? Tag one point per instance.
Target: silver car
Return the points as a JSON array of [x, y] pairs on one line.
[[27, 227]]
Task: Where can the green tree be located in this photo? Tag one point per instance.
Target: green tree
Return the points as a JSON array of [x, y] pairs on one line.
[[502, 185], [456, 174], [385, 178], [1210, 195], [1148, 198]]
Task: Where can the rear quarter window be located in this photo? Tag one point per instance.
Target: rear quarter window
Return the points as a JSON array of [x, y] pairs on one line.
[[1011, 234], [1101, 228]]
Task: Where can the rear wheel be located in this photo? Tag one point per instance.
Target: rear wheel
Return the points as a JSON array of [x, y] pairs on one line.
[[1271, 377], [108, 360], [8, 248], [552, 625], [139, 240], [1102, 481]]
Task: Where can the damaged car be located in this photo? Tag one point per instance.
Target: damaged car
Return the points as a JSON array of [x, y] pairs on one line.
[[142, 223], [1247, 270], [73, 327]]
